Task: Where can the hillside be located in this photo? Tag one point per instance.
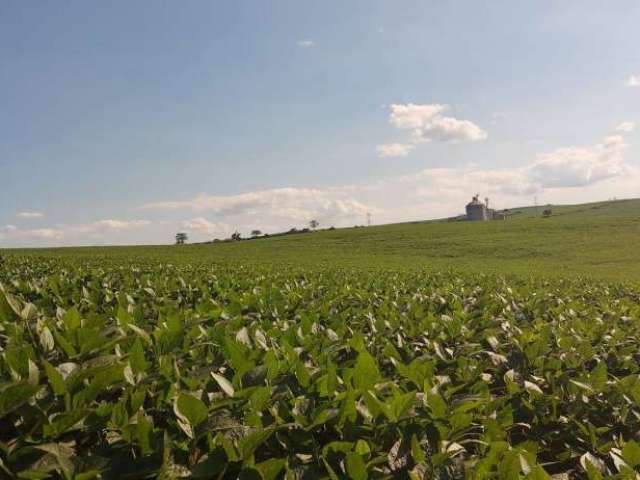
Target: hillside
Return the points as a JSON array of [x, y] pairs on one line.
[[599, 240]]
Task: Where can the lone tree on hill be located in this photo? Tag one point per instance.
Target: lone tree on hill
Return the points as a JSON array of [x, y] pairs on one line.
[[255, 233], [314, 224], [181, 238], [236, 236], [547, 212]]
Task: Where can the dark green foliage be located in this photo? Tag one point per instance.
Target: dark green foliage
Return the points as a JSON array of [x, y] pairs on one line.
[[165, 371]]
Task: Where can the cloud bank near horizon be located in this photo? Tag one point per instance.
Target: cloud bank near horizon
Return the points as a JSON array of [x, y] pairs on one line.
[[566, 174]]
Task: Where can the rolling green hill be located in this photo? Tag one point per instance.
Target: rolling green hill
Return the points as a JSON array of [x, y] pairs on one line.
[[600, 240]]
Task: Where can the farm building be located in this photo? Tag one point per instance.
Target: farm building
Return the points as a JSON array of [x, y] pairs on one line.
[[477, 210]]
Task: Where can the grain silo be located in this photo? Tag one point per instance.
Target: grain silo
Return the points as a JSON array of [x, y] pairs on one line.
[[476, 210]]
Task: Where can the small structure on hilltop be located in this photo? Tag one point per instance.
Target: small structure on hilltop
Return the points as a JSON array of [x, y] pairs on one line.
[[477, 210]]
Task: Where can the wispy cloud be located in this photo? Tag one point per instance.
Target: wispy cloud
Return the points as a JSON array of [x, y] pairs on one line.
[[626, 127], [290, 204], [30, 215], [394, 150], [59, 232], [207, 227], [306, 43], [633, 81]]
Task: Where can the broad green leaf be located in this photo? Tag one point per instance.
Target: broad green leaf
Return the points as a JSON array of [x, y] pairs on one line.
[[7, 313], [401, 405], [362, 448], [144, 433], [55, 379], [192, 408], [437, 405], [15, 395], [250, 442], [365, 374], [631, 453], [123, 316], [136, 357], [302, 374], [416, 450], [270, 469], [71, 319], [211, 466], [537, 473], [238, 356], [598, 376], [356, 468]]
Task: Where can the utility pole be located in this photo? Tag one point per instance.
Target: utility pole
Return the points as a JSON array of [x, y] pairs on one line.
[[368, 219]]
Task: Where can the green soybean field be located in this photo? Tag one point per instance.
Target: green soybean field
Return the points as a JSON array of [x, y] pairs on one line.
[[231, 361]]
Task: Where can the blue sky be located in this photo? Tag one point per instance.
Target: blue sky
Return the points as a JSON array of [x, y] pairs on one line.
[[124, 122]]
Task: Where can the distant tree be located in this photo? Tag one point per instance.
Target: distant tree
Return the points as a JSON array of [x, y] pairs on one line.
[[255, 233], [236, 236], [181, 238], [314, 224], [547, 212]]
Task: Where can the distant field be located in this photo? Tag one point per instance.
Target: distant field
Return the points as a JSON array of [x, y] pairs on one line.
[[600, 240]]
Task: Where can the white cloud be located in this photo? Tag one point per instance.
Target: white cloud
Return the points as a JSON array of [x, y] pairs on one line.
[[427, 123], [11, 231], [626, 127], [294, 204], [633, 81], [59, 232], [563, 168], [204, 226], [568, 174], [272, 210], [579, 166], [102, 226], [412, 116], [393, 150], [307, 43], [30, 215]]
